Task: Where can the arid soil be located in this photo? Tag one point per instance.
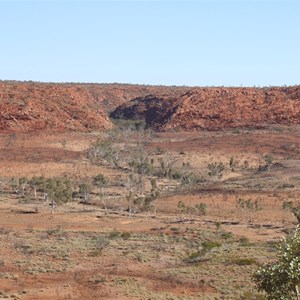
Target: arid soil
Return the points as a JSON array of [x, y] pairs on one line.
[[92, 253], [187, 211]]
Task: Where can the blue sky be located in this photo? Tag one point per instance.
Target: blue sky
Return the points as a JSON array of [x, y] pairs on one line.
[[203, 43]]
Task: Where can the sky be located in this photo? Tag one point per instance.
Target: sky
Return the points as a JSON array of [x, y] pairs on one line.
[[193, 43]]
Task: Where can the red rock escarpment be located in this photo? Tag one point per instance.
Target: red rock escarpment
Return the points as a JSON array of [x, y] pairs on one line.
[[34, 106], [216, 108]]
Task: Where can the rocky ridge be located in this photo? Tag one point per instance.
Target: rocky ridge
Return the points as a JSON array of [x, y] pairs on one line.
[[28, 106], [33, 106], [216, 108]]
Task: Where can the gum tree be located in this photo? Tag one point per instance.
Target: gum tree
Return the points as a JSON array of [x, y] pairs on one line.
[[281, 280], [101, 181]]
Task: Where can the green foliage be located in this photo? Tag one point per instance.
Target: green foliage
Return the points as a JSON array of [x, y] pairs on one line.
[[141, 164], [114, 234], [59, 190], [100, 244], [208, 245], [105, 152], [216, 169], [249, 295], [154, 194], [244, 241], [125, 235], [233, 163], [100, 180], [124, 124], [181, 206], [289, 205], [84, 188], [165, 167], [13, 184], [218, 225], [243, 261], [268, 159], [159, 151], [201, 208], [281, 279], [249, 204], [188, 179], [227, 235], [194, 257], [37, 182]]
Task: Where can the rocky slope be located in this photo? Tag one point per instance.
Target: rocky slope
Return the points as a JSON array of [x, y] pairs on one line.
[[34, 106], [216, 108], [113, 95], [81, 107]]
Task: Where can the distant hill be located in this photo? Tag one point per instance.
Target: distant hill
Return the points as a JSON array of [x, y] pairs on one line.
[[216, 108], [35, 106], [84, 107]]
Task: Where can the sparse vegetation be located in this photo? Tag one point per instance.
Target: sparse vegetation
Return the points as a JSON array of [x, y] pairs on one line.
[[281, 279], [201, 230]]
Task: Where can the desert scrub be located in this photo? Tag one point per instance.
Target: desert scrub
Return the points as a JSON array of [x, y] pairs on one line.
[[99, 245], [243, 261], [244, 241], [209, 245], [9, 276], [226, 235], [195, 257], [125, 235], [141, 257], [249, 295], [132, 288], [114, 234]]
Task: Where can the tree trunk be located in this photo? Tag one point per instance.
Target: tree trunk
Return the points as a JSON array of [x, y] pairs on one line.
[[102, 200], [297, 292], [52, 206]]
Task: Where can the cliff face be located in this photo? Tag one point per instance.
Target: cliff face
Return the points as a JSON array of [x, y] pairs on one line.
[[34, 106], [83, 107], [216, 108]]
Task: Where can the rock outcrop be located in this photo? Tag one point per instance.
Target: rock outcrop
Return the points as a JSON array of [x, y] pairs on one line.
[[34, 106], [216, 108], [84, 107]]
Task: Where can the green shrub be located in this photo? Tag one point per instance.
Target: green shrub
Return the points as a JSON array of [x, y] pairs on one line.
[[209, 245], [226, 235], [249, 295], [114, 234], [125, 235], [243, 261], [244, 241]]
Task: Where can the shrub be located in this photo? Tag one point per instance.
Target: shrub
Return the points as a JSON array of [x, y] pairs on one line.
[[125, 235], [226, 235], [114, 234], [243, 261], [281, 279], [209, 245], [100, 244], [249, 295], [216, 169]]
